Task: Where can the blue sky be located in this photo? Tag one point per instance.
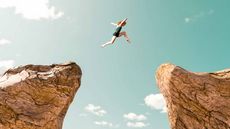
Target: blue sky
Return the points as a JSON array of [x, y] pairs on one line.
[[118, 85]]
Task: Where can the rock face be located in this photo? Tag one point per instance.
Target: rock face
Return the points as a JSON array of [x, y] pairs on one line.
[[36, 96], [195, 100]]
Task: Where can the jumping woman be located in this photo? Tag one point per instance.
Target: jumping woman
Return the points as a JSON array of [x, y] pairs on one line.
[[118, 33]]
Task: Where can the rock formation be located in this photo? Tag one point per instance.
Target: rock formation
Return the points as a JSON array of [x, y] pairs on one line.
[[195, 100], [36, 96]]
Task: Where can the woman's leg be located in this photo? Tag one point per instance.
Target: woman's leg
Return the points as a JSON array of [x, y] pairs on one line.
[[110, 42], [123, 33]]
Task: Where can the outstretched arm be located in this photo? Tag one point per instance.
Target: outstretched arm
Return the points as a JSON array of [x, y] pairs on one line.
[[114, 24]]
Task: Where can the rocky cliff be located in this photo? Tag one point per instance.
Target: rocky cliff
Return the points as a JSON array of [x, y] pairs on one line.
[[36, 96], [195, 100]]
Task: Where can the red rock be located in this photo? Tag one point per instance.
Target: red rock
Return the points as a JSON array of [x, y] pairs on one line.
[[195, 100], [41, 98]]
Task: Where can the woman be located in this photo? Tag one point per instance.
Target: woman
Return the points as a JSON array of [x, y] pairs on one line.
[[118, 33]]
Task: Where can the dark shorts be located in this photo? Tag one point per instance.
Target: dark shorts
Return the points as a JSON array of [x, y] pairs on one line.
[[117, 32]]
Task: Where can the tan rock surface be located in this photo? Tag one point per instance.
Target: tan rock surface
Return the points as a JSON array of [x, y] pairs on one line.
[[195, 100], [36, 96]]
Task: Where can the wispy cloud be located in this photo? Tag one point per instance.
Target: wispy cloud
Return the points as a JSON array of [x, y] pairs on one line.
[[137, 120], [195, 17], [32, 9], [106, 124], [147, 113], [18, 55], [6, 64], [83, 115], [4, 41], [96, 110], [137, 124], [156, 101], [133, 116]]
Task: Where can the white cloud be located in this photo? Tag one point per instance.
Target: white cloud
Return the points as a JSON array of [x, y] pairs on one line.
[[147, 113], [105, 124], [96, 110], [195, 17], [4, 41], [32, 9], [187, 19], [136, 124], [156, 101], [133, 116], [6, 64]]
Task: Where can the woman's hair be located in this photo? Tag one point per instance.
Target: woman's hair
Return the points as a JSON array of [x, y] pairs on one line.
[[124, 23]]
